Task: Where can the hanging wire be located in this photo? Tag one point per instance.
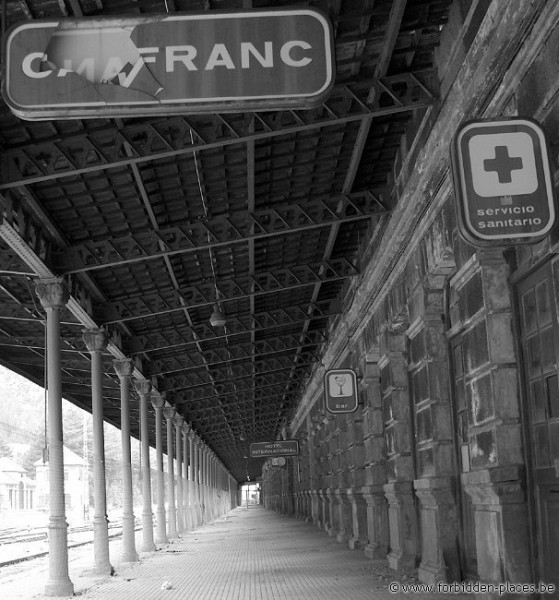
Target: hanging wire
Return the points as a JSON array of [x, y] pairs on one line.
[[206, 214]]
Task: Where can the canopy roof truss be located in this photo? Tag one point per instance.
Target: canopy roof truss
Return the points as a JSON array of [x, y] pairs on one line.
[[153, 220]]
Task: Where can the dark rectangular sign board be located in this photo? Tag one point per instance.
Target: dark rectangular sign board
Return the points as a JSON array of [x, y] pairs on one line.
[[168, 64], [340, 391], [277, 448]]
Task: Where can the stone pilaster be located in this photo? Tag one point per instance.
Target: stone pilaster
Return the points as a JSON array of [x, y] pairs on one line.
[[313, 478], [404, 542], [403, 524], [356, 480], [375, 460], [434, 448], [439, 519], [491, 453], [502, 535]]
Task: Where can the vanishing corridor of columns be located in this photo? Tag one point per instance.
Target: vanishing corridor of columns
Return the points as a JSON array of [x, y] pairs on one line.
[[194, 489]]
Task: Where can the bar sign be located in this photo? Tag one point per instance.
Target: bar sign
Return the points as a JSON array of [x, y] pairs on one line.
[[340, 391]]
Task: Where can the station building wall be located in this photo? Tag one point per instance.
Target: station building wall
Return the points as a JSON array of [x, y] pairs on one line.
[[451, 462]]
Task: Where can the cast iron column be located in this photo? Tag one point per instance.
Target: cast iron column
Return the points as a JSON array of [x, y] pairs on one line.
[[186, 495], [144, 389], [169, 413], [193, 487], [96, 342], [160, 528], [203, 479], [124, 369], [178, 420], [53, 295]]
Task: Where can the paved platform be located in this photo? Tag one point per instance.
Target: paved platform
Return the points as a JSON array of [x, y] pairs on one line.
[[254, 554]]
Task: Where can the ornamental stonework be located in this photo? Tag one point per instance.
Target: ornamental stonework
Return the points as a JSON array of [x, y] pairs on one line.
[[143, 387], [95, 339], [124, 367], [169, 412], [52, 293], [157, 401]]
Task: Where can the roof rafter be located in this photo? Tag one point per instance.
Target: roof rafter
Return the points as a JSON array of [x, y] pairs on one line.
[[48, 161]]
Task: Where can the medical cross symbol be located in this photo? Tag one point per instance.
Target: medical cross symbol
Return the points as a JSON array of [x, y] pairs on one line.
[[503, 164], [503, 182]]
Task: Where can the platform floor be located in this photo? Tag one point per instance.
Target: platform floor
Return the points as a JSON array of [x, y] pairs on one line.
[[249, 554]]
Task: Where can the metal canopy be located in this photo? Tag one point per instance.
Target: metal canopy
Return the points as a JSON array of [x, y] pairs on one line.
[[153, 220]]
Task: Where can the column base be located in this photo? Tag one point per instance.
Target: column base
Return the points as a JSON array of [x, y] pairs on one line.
[[59, 588], [342, 508], [501, 524], [161, 540], [148, 547], [342, 537], [403, 525], [375, 552], [129, 557], [105, 570], [377, 547], [431, 575], [356, 544]]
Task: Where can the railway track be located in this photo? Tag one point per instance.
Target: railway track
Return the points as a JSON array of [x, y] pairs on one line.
[[9, 538]]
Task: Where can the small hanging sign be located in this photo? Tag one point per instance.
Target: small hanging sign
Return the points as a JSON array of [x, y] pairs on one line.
[[276, 448], [340, 391]]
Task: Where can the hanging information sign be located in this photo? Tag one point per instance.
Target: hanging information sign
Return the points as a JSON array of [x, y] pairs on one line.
[[340, 391], [502, 182], [277, 448], [168, 64]]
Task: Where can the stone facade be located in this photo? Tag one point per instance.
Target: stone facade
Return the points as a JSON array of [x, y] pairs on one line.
[[444, 467]]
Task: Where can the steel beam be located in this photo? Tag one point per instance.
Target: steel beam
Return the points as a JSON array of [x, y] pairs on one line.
[[103, 148]]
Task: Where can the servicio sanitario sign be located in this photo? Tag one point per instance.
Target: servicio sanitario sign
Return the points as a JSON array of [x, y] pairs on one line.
[[502, 181], [171, 64]]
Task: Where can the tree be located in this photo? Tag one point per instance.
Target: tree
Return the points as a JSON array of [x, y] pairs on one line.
[[32, 455], [5, 450]]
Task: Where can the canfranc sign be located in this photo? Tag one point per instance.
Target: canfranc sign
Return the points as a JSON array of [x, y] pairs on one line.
[[176, 64]]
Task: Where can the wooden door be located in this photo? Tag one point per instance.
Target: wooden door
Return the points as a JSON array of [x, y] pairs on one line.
[[538, 302]]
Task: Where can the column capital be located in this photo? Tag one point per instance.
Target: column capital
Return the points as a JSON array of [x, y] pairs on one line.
[[169, 412], [95, 339], [157, 401], [52, 292], [178, 420], [185, 428], [143, 387], [124, 367]]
